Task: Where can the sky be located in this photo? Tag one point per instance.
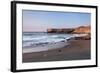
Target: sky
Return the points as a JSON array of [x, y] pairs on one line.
[[40, 21]]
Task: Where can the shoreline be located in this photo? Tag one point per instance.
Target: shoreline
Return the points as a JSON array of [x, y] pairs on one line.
[[76, 50], [46, 46]]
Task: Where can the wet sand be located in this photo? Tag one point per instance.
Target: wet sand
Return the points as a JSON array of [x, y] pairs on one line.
[[76, 50]]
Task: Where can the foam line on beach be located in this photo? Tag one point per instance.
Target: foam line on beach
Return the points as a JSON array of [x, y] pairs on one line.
[[47, 47]]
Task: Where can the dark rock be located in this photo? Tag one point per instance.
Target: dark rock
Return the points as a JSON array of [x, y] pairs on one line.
[[68, 30], [78, 30]]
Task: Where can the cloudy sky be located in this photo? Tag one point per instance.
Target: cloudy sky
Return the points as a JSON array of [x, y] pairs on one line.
[[40, 21]]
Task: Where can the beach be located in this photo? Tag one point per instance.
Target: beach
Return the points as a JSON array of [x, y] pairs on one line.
[[74, 50]]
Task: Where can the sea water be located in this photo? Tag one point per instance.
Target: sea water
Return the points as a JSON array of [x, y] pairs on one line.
[[42, 41], [33, 39]]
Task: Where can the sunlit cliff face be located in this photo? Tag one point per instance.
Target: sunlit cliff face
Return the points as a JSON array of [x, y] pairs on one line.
[[83, 29]]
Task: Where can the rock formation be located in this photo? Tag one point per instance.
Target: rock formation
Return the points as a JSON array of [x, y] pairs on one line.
[[63, 30], [78, 30], [82, 29]]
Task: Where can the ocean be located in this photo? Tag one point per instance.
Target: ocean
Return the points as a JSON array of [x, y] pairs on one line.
[[31, 39], [42, 41]]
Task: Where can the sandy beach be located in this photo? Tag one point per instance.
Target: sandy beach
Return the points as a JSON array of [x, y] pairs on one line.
[[76, 50]]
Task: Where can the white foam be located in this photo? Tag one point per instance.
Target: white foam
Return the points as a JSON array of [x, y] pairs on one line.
[[44, 39], [49, 46], [79, 35]]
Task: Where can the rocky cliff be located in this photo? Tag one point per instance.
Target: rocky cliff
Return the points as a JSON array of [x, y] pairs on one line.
[[63, 30], [81, 29]]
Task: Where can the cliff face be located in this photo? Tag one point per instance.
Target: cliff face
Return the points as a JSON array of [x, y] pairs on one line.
[[60, 30], [81, 29]]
